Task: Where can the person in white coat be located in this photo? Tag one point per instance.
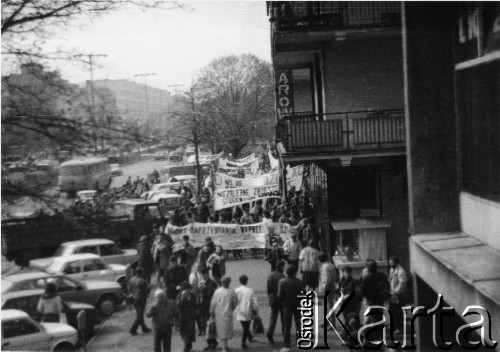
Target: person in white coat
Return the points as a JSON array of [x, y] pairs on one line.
[[246, 309], [398, 281], [222, 306]]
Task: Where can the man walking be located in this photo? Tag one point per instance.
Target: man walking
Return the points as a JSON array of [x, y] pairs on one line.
[[272, 294], [139, 290], [288, 290], [145, 257], [165, 315]]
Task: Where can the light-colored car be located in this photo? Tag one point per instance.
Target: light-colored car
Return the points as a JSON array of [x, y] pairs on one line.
[[166, 186], [21, 333], [151, 194], [104, 295], [85, 196], [88, 266], [109, 252], [115, 170], [184, 178]]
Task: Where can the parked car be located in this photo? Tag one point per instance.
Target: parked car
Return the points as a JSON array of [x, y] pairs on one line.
[[88, 266], [161, 156], [27, 301], [104, 295], [184, 178], [115, 170], [20, 332], [166, 186], [85, 196], [109, 252], [175, 157], [152, 194]]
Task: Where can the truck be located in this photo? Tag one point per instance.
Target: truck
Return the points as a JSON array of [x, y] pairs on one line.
[[27, 238]]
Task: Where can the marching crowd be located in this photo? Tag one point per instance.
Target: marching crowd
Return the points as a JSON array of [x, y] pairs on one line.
[[192, 290]]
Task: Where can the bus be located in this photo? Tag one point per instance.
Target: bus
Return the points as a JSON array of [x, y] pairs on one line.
[[83, 174]]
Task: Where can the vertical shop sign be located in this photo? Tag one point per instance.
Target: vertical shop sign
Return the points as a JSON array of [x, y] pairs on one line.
[[284, 93]]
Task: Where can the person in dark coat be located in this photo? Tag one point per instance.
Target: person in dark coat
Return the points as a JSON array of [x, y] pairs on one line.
[[208, 287], [145, 257], [186, 304], [272, 294], [174, 276], [288, 291], [372, 288], [275, 255], [139, 290], [165, 316]]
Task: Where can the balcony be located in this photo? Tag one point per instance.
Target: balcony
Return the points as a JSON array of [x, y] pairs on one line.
[[304, 15], [347, 132]]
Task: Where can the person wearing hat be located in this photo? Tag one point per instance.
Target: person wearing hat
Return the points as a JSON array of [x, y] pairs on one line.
[[165, 316], [50, 304], [174, 276], [145, 257], [186, 304]]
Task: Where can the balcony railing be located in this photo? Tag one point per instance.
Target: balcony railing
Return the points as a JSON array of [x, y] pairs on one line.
[[298, 15], [343, 132]]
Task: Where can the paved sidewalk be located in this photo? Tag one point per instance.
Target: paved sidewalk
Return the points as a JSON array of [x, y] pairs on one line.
[[113, 335]]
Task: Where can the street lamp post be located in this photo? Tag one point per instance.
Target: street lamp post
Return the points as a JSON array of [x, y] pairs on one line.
[[146, 95], [92, 98]]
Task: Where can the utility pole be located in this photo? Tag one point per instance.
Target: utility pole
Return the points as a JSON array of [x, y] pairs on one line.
[[146, 94], [92, 98]]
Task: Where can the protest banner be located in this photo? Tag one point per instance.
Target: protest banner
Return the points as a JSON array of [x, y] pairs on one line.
[[231, 191], [228, 198], [229, 236], [245, 159], [273, 161], [223, 181], [251, 166], [294, 177]]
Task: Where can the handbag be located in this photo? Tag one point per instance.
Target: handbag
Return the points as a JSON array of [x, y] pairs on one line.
[[258, 327], [211, 329]]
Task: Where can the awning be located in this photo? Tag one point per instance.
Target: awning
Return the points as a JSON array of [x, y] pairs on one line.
[[461, 268]]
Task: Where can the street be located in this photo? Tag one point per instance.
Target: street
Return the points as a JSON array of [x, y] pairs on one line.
[[114, 334]]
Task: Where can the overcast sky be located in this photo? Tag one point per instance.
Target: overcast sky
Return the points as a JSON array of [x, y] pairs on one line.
[[174, 44]]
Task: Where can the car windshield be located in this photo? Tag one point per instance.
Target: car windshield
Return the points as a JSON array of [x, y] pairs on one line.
[[6, 285], [55, 266], [62, 251]]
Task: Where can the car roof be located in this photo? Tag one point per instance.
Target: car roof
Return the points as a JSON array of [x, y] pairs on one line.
[[135, 202], [92, 241], [71, 257], [25, 276], [166, 195], [24, 293], [8, 314], [184, 176], [86, 191], [83, 161]]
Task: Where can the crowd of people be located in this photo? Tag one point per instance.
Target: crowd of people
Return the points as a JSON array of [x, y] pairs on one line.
[[193, 290]]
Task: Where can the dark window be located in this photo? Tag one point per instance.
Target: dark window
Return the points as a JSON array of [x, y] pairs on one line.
[[88, 249], [18, 327], [109, 249]]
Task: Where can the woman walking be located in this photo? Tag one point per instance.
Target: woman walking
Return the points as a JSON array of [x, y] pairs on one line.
[[217, 264], [50, 304], [224, 302]]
